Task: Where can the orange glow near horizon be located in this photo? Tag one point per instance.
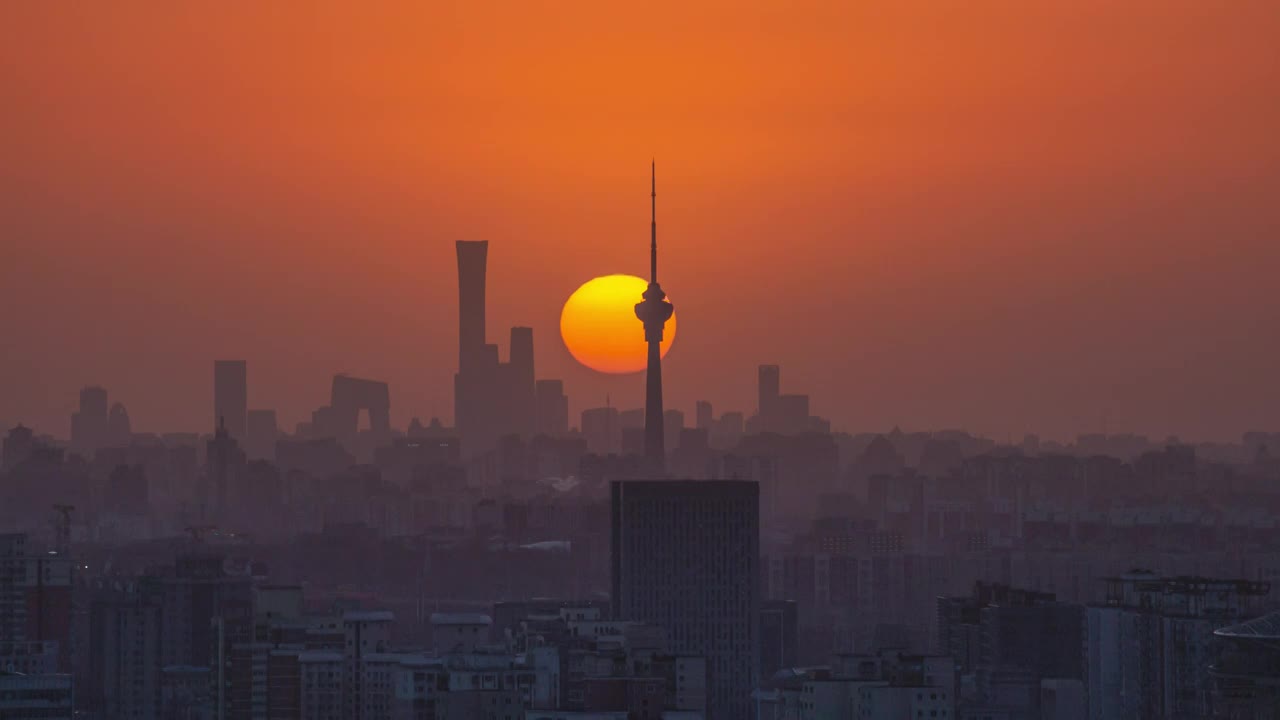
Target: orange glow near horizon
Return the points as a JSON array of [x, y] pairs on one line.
[[599, 326], [1001, 215]]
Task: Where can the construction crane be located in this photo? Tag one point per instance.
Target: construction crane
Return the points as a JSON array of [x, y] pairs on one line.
[[62, 529], [197, 531]]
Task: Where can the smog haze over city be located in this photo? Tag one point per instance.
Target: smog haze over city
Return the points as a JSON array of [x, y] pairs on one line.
[[660, 361]]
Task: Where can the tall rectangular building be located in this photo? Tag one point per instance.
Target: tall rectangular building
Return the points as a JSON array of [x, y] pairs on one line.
[[231, 396], [473, 256], [125, 655], [779, 636], [769, 386], [89, 424], [686, 557], [705, 417], [521, 402]]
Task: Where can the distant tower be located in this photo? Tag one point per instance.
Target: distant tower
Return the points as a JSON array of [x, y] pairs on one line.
[[89, 424], [654, 313], [231, 396], [473, 384], [770, 384], [522, 406], [119, 430], [472, 258]]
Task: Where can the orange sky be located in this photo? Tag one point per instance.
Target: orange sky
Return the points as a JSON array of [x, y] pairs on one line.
[[1006, 216]]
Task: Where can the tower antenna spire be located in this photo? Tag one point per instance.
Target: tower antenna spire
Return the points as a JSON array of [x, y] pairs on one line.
[[653, 222], [654, 312]]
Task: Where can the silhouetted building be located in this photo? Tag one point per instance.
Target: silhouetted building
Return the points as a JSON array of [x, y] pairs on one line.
[[654, 312], [491, 399], [89, 423], [552, 407], [473, 384], [769, 385], [779, 636], [19, 444], [341, 420], [224, 461], [728, 430], [705, 418], [685, 557], [783, 414], [521, 399], [472, 258], [693, 457], [791, 414], [231, 396], [119, 429]]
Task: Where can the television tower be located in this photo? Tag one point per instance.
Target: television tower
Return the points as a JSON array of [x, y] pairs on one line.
[[654, 313]]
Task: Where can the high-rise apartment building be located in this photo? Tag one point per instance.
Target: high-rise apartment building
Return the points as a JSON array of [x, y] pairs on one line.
[[1148, 647], [685, 557]]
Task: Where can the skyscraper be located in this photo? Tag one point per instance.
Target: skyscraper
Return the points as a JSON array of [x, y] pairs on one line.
[[89, 424], [770, 385], [490, 399], [231, 396], [521, 393], [119, 429], [705, 416], [685, 556], [654, 312], [472, 259], [224, 460]]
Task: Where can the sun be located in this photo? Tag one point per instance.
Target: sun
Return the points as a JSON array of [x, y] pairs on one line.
[[600, 328]]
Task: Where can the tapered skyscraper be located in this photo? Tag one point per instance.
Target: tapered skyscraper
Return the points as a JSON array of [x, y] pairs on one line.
[[654, 313]]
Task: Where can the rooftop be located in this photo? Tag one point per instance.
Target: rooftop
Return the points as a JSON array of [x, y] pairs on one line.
[[1266, 627], [460, 619], [368, 616]]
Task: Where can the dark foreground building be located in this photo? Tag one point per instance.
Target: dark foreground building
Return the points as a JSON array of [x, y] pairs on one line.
[[685, 556]]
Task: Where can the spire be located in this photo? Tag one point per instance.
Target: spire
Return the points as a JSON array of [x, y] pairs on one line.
[[653, 223]]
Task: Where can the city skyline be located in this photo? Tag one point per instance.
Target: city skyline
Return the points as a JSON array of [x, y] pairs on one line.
[[1047, 218], [336, 386]]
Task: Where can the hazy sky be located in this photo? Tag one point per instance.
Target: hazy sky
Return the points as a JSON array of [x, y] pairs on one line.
[[1006, 216]]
